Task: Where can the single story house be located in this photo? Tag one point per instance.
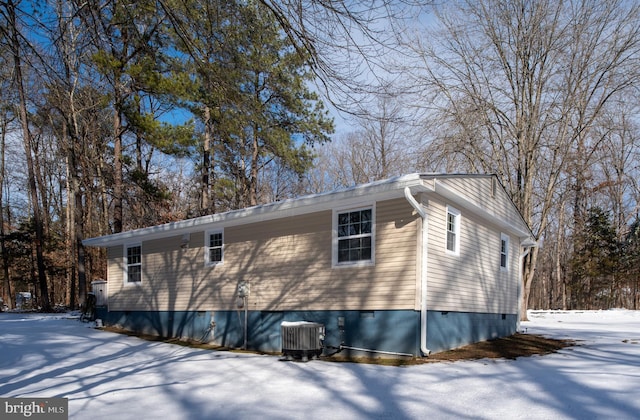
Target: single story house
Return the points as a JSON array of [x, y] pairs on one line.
[[405, 266]]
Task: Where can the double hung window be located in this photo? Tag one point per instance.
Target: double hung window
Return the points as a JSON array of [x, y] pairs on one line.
[[133, 265], [214, 247], [453, 231], [354, 242], [504, 252]]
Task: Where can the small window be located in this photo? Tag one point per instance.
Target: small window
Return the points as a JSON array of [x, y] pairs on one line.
[[214, 247], [504, 252], [353, 237], [453, 231], [133, 265]]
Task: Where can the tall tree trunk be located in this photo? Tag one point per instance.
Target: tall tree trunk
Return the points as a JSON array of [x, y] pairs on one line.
[[103, 219], [7, 296], [70, 289], [28, 149], [253, 179], [77, 221], [41, 185], [636, 294], [117, 164], [529, 272], [205, 203], [560, 278], [80, 252]]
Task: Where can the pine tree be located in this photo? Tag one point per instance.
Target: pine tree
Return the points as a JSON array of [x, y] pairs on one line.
[[277, 118], [248, 87], [595, 260]]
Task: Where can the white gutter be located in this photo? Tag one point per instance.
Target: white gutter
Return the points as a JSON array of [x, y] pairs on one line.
[[378, 190], [423, 270]]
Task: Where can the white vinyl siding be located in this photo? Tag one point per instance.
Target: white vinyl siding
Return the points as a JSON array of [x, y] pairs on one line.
[[288, 263], [473, 282], [485, 192]]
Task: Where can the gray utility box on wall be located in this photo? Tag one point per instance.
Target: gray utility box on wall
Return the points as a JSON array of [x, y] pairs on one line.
[[302, 339], [99, 289]]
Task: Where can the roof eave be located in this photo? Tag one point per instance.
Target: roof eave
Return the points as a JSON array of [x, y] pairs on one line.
[[389, 188]]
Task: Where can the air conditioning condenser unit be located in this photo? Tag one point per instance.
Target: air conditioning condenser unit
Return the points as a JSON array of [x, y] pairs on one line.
[[302, 340]]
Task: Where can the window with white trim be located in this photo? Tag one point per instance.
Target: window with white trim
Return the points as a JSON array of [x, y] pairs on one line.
[[214, 247], [504, 252], [133, 266], [453, 231], [354, 236]]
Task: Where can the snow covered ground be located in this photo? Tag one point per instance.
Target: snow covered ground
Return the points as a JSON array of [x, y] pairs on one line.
[[111, 376]]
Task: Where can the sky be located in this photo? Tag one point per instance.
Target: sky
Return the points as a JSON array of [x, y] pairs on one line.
[[106, 376]]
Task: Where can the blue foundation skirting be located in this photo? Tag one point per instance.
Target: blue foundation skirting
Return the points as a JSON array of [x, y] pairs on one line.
[[382, 331]]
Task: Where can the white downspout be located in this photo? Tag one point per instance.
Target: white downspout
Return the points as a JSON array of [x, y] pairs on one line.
[[423, 270]]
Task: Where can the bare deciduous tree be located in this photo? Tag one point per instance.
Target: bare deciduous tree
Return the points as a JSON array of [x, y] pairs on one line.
[[350, 44], [5, 120], [14, 38], [378, 149], [515, 88]]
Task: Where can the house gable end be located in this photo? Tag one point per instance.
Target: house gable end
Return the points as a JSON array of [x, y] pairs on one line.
[[484, 196]]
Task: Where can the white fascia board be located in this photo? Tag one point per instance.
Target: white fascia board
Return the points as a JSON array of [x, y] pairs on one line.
[[522, 231], [366, 193]]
